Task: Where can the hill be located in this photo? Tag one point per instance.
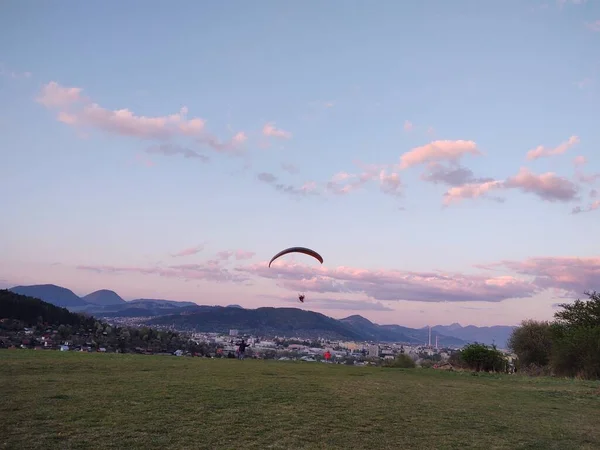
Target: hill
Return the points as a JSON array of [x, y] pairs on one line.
[[261, 321], [498, 334], [103, 297], [99, 302], [57, 295], [107, 303], [142, 307], [32, 311], [292, 322], [397, 333]]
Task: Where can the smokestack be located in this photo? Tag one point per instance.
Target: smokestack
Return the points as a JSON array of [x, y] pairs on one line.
[[430, 336]]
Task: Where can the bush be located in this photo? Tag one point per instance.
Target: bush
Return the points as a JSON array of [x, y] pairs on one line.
[[576, 351], [535, 370], [532, 343], [456, 360], [400, 362], [427, 363], [480, 357]]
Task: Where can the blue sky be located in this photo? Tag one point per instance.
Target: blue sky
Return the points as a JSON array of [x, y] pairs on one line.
[[92, 206]]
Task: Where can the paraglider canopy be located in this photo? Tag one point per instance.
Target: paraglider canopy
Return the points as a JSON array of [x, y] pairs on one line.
[[306, 251]]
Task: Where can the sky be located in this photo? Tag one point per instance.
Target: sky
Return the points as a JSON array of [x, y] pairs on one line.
[[443, 157]]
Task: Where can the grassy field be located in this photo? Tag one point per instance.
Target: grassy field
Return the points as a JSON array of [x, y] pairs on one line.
[[50, 399]]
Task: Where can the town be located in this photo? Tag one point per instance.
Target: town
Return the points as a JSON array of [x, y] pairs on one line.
[[225, 345]]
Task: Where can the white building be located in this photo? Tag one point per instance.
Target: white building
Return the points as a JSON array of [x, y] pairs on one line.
[[374, 351]]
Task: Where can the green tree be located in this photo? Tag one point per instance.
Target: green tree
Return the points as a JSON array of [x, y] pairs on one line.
[[580, 313], [532, 343], [480, 357], [576, 338]]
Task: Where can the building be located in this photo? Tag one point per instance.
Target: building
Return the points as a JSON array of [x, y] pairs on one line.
[[374, 351], [233, 332]]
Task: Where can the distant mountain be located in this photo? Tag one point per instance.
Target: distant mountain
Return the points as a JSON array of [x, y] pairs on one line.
[[397, 333], [50, 293], [148, 310], [31, 310], [103, 297], [498, 334], [261, 321], [293, 322], [159, 303], [102, 302]]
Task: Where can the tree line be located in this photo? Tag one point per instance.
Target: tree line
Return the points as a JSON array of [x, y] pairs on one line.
[[47, 322], [567, 346]]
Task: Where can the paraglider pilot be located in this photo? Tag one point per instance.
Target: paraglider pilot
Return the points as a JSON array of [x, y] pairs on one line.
[[242, 349]]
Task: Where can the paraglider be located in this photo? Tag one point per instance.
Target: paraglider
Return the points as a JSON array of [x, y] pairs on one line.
[[304, 250]]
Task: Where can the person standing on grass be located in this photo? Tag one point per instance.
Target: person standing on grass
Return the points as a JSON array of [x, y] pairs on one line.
[[242, 349]]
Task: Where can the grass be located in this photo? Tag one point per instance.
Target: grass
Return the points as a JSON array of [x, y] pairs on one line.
[[51, 399]]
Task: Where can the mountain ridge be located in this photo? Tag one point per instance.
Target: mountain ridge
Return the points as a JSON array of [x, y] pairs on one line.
[[103, 297], [112, 305]]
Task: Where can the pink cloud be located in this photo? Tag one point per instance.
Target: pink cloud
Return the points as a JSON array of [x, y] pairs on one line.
[[224, 255], [438, 151], [586, 82], [453, 176], [289, 168], [171, 149], [390, 183], [561, 3], [393, 285], [232, 145], [5, 72], [591, 179], [341, 176], [309, 188], [591, 207], [238, 254], [270, 130], [207, 271], [144, 161], [408, 125], [244, 254], [470, 190], [571, 274], [343, 182], [594, 26], [78, 110], [126, 123], [541, 151], [579, 162], [547, 186], [189, 251], [54, 95]]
